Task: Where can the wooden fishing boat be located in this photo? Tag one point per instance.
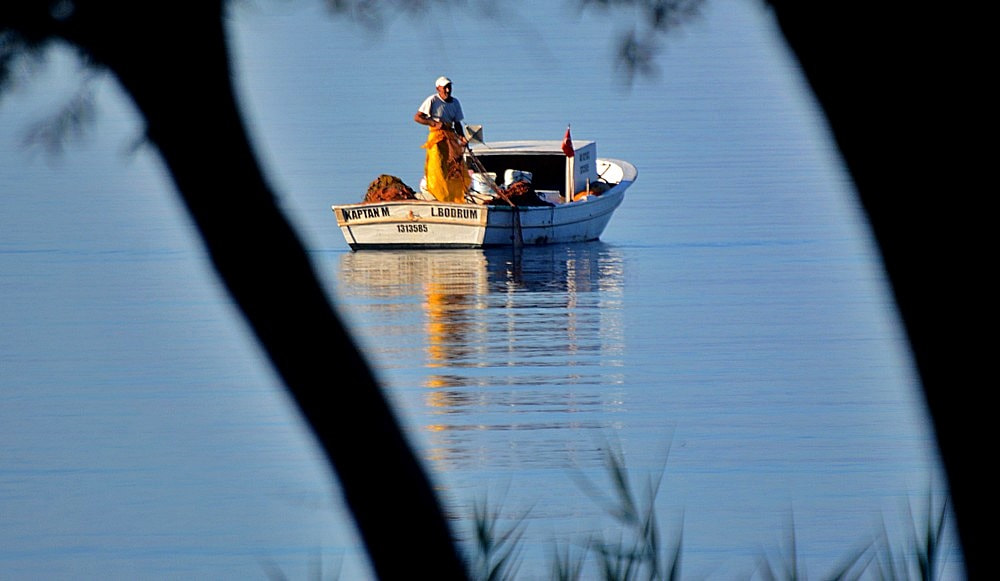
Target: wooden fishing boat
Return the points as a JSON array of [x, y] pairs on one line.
[[575, 199]]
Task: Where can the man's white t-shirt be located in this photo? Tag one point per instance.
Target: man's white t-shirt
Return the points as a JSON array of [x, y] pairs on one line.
[[445, 111]]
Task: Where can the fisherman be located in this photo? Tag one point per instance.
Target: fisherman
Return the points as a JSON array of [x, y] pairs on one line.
[[444, 167]]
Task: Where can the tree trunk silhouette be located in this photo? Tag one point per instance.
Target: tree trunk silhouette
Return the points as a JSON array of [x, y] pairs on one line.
[[172, 59], [889, 79]]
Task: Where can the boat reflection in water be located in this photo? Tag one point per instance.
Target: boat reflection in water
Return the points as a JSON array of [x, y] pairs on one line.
[[524, 340]]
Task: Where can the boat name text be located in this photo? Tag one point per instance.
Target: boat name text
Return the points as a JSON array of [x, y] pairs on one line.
[[363, 213], [461, 213], [375, 212]]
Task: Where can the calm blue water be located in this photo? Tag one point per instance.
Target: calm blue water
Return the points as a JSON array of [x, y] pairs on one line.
[[731, 332]]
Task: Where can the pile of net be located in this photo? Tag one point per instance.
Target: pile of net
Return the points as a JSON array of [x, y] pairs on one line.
[[520, 193], [387, 188]]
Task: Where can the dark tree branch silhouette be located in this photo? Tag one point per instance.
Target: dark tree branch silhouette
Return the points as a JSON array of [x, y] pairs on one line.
[[898, 84], [888, 79], [172, 59]]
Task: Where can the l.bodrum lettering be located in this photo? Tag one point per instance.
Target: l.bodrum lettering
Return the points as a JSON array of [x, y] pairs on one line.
[[460, 213]]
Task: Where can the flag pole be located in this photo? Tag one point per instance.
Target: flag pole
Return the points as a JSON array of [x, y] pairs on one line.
[[570, 186], [567, 148]]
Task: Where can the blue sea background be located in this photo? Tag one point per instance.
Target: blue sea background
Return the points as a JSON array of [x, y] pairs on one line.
[[732, 333]]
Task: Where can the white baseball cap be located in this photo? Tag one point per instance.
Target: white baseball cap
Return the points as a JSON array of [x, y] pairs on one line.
[[442, 81]]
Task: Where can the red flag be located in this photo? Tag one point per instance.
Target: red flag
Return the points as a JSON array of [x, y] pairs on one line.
[[567, 144]]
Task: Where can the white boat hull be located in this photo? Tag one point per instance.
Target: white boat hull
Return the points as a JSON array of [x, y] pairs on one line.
[[419, 224]]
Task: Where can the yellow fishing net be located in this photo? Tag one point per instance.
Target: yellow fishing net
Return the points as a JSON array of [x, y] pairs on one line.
[[447, 177]]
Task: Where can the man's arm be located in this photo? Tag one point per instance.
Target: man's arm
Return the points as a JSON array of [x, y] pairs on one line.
[[457, 127], [424, 119]]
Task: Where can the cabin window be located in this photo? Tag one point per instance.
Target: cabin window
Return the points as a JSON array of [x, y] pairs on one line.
[[548, 172]]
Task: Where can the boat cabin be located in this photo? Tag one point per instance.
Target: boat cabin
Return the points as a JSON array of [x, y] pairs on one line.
[[552, 172]]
